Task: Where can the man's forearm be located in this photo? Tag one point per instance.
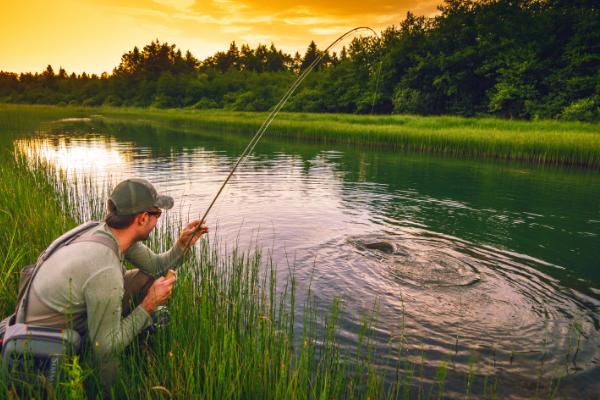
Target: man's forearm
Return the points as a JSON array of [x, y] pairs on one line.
[[154, 264]]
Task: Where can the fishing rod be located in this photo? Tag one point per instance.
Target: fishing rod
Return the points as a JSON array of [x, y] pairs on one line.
[[267, 122]]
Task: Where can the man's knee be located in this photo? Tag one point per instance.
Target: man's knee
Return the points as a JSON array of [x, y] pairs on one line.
[[136, 281], [136, 285]]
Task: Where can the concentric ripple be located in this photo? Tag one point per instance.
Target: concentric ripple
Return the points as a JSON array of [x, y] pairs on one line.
[[419, 265], [478, 297]]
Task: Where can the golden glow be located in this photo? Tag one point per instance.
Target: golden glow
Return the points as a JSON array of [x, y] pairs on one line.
[[75, 157], [91, 35]]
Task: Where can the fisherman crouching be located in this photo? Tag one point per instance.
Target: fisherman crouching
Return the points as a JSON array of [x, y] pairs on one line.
[[83, 284]]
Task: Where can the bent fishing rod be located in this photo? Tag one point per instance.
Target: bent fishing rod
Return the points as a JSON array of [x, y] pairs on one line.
[[267, 122]]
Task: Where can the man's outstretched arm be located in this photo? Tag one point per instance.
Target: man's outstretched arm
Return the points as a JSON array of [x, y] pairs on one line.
[[154, 264]]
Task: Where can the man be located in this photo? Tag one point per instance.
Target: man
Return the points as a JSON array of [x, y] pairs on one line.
[[84, 285]]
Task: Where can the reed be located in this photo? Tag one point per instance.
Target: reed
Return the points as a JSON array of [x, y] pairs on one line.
[[545, 142]]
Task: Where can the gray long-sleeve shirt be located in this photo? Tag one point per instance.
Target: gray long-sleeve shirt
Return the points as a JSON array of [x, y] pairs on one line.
[[81, 286]]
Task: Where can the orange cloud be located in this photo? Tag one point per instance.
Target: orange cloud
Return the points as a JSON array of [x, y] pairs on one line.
[[91, 35]]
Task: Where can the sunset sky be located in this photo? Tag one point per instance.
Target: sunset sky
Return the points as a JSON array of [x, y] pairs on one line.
[[91, 35]]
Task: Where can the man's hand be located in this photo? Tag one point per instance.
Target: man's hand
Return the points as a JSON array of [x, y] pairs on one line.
[[186, 240], [158, 294]]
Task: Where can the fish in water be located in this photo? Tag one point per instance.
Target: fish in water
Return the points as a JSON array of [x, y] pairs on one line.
[[384, 246]]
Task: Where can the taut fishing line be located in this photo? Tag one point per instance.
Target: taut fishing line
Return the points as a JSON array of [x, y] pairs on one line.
[[376, 86], [261, 131]]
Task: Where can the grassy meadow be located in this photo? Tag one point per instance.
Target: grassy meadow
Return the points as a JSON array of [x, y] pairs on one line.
[[233, 332], [546, 142]]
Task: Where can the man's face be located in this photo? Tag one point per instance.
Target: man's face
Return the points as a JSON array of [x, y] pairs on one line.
[[147, 222]]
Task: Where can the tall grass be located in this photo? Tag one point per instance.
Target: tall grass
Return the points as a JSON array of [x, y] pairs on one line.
[[31, 215], [552, 142]]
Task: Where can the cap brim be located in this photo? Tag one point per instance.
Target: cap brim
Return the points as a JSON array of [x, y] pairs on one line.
[[164, 202]]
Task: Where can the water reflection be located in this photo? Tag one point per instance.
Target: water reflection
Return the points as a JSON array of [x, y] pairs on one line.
[[86, 156], [489, 258]]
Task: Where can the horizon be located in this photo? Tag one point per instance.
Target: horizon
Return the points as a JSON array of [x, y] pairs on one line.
[[99, 32]]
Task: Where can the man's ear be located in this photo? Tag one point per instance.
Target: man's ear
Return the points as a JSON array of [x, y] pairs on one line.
[[141, 219]]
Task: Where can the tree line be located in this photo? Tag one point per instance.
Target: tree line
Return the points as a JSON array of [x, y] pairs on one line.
[[511, 58]]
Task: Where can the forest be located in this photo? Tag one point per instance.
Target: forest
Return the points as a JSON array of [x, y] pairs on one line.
[[523, 59]]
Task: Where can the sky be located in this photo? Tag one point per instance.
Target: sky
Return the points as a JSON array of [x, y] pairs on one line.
[[91, 35]]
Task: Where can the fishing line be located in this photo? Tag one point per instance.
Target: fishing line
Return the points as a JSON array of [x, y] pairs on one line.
[[267, 122], [376, 86]]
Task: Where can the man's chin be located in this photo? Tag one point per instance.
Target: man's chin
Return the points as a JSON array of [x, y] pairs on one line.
[[144, 238]]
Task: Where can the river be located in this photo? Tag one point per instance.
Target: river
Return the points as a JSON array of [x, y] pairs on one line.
[[489, 266]]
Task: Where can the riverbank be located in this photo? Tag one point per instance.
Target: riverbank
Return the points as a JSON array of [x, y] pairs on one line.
[[543, 142]]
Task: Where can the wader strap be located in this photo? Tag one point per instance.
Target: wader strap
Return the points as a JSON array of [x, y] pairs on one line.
[[106, 241], [73, 236]]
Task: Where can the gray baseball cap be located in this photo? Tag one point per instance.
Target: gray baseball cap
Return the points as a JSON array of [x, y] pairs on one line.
[[136, 195]]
